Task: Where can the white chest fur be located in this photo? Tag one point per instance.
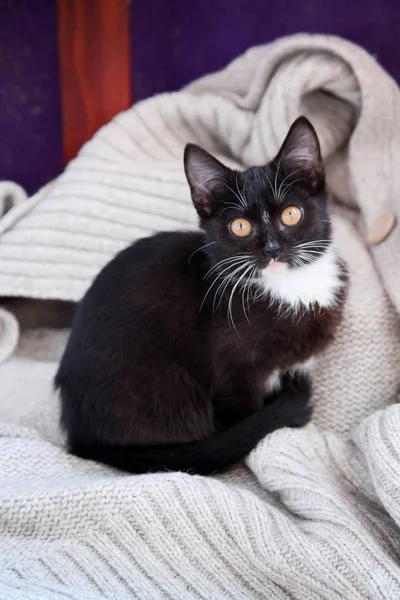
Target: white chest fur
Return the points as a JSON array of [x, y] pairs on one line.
[[315, 283]]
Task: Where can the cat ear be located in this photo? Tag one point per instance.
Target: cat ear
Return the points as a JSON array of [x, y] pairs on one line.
[[301, 152], [205, 175]]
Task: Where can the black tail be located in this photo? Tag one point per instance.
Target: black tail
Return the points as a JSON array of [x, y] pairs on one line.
[[209, 455]]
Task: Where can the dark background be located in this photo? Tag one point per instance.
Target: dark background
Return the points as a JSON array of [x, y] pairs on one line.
[[172, 42]]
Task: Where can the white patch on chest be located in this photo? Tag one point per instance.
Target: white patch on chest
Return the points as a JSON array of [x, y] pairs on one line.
[[305, 367], [315, 283]]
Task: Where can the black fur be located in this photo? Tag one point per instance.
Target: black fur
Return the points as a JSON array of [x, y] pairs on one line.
[[214, 453], [161, 373]]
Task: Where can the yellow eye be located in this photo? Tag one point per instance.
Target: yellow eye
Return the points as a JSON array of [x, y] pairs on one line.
[[241, 227], [291, 216]]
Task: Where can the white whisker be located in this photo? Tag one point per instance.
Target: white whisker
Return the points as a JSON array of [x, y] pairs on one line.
[[238, 197], [247, 288], [213, 283], [226, 261], [230, 207], [276, 177], [282, 196], [223, 286], [269, 181], [198, 250], [313, 243], [289, 185], [242, 196], [229, 310]]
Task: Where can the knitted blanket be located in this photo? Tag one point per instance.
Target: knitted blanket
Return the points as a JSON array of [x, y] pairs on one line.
[[314, 513]]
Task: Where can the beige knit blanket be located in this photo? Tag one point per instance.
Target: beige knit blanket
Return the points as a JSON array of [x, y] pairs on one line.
[[316, 512]]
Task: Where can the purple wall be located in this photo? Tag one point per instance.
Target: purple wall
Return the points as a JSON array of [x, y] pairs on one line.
[[30, 114], [173, 41]]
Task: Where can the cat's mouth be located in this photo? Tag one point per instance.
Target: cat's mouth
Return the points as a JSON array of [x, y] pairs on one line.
[[277, 266]]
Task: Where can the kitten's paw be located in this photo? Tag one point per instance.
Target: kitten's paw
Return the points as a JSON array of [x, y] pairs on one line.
[[299, 412], [292, 407], [296, 383]]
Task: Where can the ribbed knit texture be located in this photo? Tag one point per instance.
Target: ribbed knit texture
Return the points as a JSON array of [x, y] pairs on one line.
[[317, 514]]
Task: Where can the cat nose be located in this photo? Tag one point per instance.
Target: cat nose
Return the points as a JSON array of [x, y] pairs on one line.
[[272, 250]]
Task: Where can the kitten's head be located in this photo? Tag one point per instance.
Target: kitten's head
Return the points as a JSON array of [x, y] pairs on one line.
[[275, 216]]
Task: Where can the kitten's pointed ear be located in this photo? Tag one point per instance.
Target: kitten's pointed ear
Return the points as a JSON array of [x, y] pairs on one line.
[[301, 152], [205, 175]]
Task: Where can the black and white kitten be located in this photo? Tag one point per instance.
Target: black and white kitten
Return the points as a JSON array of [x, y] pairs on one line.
[[180, 351]]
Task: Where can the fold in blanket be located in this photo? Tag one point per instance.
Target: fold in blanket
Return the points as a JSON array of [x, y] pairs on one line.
[[316, 514], [9, 333]]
